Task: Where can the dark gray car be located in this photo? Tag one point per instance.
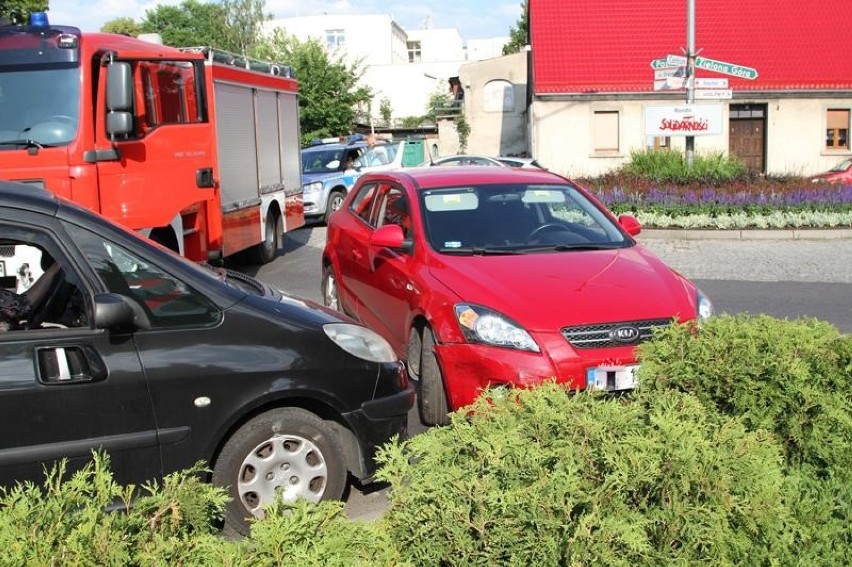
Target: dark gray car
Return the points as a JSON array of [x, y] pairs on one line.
[[123, 345]]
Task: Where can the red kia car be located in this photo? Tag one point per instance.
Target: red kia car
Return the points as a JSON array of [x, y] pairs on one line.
[[488, 276]]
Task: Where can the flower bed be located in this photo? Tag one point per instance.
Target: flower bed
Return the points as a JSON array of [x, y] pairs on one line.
[[765, 203]]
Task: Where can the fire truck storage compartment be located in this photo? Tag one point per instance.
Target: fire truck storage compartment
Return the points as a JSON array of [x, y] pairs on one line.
[[258, 141]]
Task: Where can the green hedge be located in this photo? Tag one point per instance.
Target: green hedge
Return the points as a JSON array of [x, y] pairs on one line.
[[735, 450]]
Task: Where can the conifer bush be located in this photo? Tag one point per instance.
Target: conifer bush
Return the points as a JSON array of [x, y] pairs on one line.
[[546, 478], [793, 378]]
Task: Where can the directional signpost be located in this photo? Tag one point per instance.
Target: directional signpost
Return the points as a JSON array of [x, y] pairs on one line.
[[726, 68]]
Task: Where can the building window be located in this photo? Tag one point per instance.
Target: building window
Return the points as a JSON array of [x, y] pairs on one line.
[[413, 51], [658, 142], [605, 131], [334, 38], [837, 130]]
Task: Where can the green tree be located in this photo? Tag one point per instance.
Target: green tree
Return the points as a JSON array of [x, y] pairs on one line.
[[245, 19], [124, 26], [440, 104], [328, 87], [191, 23], [18, 11], [519, 36], [385, 111]]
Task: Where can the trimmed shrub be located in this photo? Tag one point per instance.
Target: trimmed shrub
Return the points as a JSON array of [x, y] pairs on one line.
[[317, 534], [67, 522], [545, 478], [793, 378]]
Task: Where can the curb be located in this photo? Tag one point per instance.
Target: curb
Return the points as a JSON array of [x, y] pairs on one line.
[[748, 234]]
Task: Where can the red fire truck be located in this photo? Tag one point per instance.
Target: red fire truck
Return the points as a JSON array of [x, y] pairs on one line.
[[196, 148]]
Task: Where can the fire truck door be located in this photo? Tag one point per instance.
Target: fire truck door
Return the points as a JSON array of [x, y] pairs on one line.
[[165, 164]]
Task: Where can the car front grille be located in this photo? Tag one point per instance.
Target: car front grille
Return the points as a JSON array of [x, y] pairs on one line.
[[613, 334], [7, 250]]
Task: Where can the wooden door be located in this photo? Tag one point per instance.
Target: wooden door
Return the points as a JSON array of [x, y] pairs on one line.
[[747, 138]]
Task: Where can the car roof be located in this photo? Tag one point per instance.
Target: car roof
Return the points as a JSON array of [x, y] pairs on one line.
[[453, 176], [334, 146], [27, 196]]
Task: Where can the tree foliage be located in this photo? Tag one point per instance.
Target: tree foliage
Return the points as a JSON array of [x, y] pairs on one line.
[[190, 23], [328, 86], [123, 26], [519, 36], [244, 20], [18, 11]]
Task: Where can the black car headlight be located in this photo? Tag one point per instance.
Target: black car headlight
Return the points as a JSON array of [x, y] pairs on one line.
[[360, 341]]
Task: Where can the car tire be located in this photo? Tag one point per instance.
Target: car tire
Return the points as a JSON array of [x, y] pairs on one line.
[[265, 252], [330, 290], [335, 200], [286, 451], [432, 399]]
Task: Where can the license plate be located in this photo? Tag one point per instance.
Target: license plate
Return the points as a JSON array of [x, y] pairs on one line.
[[611, 378]]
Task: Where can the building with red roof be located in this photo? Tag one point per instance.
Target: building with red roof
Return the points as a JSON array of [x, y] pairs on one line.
[[771, 82]]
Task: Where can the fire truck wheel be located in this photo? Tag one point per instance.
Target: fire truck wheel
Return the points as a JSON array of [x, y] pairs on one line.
[[265, 251]]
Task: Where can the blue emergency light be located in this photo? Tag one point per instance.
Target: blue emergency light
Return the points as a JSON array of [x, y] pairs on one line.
[[39, 20]]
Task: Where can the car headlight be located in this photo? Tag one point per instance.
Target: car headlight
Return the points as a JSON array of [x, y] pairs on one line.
[[483, 325], [314, 187], [360, 341], [704, 306]]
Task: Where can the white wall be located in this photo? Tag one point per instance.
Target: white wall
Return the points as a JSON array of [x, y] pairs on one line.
[[488, 48], [409, 86], [437, 45], [375, 38], [795, 134]]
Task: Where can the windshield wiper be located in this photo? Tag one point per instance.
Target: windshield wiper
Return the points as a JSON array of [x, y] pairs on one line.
[[26, 142], [572, 247], [479, 251]]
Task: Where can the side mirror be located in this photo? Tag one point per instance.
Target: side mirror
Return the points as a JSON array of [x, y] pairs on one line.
[[391, 236], [119, 99], [630, 224], [116, 312]]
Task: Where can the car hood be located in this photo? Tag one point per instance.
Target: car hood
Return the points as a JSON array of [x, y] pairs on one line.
[[550, 290], [311, 177]]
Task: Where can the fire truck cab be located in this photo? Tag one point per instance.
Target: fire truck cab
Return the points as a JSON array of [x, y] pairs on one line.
[[196, 148]]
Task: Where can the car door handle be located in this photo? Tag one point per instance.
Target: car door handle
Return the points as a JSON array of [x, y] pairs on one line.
[[357, 255], [69, 364]]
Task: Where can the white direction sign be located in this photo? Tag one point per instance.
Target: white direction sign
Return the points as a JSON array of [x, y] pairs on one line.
[[683, 120], [675, 60], [667, 72], [711, 83], [713, 94]]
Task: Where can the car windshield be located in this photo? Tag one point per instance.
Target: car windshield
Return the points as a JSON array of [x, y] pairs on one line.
[[380, 154], [516, 219], [322, 161], [40, 106], [843, 165]]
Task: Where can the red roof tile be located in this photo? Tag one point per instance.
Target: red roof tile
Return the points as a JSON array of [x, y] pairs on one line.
[[586, 46]]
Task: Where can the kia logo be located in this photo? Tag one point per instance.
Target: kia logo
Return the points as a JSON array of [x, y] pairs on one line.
[[624, 334]]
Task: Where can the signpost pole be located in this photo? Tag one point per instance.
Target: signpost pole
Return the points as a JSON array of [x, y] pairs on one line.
[[690, 72]]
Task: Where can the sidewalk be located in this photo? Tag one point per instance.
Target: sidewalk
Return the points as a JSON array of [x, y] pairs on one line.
[[755, 255], [748, 234]]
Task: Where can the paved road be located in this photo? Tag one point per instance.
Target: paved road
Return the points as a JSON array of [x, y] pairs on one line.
[[785, 276]]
